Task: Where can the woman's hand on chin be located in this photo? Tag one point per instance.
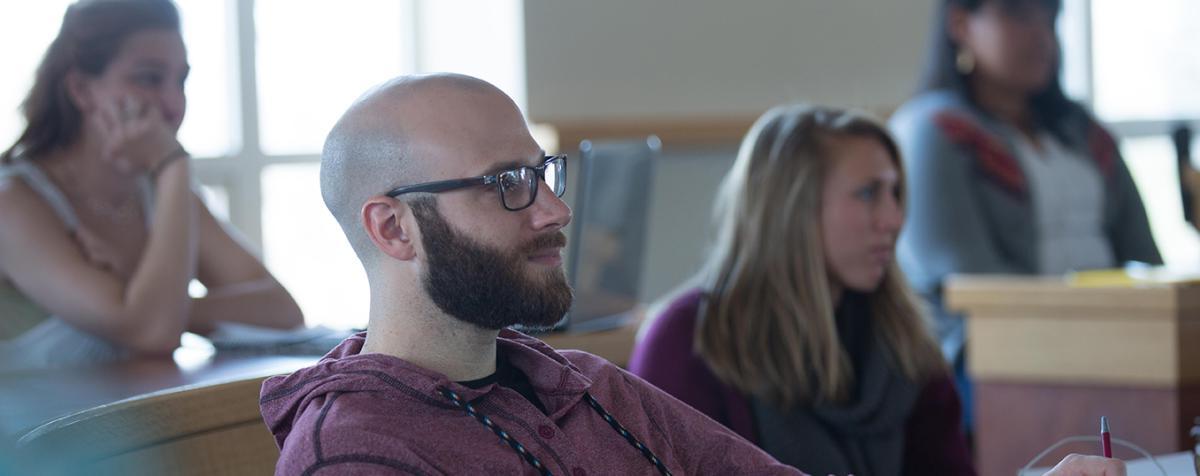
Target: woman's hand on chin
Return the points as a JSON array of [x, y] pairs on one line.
[[136, 137]]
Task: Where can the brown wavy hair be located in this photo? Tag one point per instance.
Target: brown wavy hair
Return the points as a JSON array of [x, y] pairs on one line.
[[91, 35], [767, 326]]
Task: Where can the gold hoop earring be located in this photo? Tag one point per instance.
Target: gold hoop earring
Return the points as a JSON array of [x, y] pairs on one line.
[[964, 61]]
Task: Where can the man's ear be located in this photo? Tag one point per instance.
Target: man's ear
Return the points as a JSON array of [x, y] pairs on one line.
[[391, 226], [78, 92]]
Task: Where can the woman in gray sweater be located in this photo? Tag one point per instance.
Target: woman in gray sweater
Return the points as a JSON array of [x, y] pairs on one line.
[[1007, 175]]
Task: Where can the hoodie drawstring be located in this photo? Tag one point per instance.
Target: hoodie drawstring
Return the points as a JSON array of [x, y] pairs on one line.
[[612, 421], [533, 460]]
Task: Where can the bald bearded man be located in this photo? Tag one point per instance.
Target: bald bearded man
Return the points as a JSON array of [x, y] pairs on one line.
[[454, 212]]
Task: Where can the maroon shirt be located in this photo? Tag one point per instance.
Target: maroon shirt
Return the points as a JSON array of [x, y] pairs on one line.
[[934, 441], [355, 413]]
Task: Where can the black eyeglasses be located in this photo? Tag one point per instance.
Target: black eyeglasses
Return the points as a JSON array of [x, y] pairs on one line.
[[517, 187]]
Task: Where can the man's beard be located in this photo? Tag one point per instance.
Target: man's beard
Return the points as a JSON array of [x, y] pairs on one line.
[[487, 287]]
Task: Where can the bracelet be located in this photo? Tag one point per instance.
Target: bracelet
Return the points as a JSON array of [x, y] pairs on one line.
[[178, 153]]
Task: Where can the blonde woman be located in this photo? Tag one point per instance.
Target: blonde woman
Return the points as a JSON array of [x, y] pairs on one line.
[[802, 336]]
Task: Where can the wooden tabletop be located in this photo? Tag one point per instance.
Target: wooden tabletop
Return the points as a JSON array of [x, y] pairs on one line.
[[31, 398], [974, 291], [614, 345]]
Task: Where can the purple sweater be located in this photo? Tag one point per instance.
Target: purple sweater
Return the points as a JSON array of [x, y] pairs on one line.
[[934, 442], [355, 413]]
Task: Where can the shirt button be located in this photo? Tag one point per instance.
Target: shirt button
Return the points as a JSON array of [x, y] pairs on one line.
[[546, 432], [579, 472]]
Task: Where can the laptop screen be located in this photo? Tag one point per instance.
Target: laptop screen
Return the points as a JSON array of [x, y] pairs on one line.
[[609, 229]]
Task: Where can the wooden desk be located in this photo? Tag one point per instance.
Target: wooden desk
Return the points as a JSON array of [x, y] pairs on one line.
[[614, 345], [30, 399], [1049, 359], [211, 428]]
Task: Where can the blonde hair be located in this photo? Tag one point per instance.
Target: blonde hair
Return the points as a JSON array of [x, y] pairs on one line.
[[767, 326]]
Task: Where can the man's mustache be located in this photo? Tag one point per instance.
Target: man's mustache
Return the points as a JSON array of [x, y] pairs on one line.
[[551, 240]]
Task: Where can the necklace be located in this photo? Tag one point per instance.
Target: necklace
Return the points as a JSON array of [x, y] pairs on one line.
[[118, 205]]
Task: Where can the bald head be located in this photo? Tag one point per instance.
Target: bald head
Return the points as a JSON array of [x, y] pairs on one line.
[[395, 135]]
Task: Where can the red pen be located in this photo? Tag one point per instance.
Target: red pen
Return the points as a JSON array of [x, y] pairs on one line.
[[1105, 439]]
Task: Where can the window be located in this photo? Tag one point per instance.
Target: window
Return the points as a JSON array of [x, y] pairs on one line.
[[356, 48], [35, 24], [210, 128], [269, 78], [1134, 64], [1146, 66]]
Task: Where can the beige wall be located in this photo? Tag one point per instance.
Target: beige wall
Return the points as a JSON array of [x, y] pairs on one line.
[[654, 58], [604, 60]]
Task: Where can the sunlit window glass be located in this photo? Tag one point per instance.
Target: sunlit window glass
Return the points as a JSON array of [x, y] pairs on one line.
[[305, 248], [315, 57], [1145, 59]]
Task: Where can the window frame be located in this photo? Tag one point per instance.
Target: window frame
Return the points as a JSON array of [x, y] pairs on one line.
[[240, 171]]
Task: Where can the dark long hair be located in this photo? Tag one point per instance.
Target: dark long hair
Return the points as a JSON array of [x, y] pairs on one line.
[[92, 33], [1050, 107]]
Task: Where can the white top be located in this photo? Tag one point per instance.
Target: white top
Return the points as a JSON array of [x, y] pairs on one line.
[[1067, 192], [54, 342]]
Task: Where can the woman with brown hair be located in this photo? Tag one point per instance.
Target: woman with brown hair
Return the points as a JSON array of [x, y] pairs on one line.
[[803, 336], [102, 233]]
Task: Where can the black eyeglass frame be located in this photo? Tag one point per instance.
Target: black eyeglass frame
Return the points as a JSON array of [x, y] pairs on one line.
[[456, 184]]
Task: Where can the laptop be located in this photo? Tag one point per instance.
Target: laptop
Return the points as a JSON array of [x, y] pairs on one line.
[[609, 231]]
